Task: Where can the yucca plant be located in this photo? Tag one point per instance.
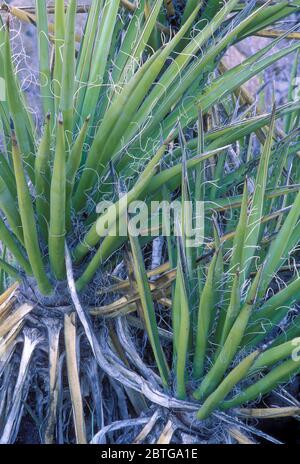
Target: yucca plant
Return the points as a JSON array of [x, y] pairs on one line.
[[126, 116]]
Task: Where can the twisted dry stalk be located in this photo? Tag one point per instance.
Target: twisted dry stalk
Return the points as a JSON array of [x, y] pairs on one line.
[[53, 328], [32, 338]]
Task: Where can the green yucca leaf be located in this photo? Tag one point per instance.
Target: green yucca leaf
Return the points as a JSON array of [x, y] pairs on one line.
[[182, 326], [101, 53], [7, 175], [18, 111], [234, 377], [119, 116], [136, 37], [59, 36], [148, 307], [197, 68], [128, 56], [187, 213], [176, 302], [43, 43], [110, 242], [172, 176], [271, 356], [154, 41], [231, 345], [278, 169], [3, 274], [291, 332], [73, 164], [111, 118], [28, 222], [226, 318], [237, 130], [43, 178], [233, 308], [205, 311], [237, 259], [189, 8], [211, 9], [233, 202], [140, 42], [280, 246], [272, 312], [257, 203], [270, 15], [289, 118], [57, 226], [172, 252], [200, 178], [68, 71], [4, 119], [233, 179], [219, 269], [200, 188], [14, 248], [222, 86], [2, 46], [4, 110], [93, 237], [279, 374], [10, 270], [8, 206], [83, 63], [174, 70]]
